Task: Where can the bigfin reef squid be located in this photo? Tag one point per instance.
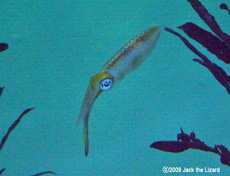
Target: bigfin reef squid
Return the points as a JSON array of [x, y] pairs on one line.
[[127, 59]]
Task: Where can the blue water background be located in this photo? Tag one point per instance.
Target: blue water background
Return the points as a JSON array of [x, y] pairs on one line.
[[54, 49]]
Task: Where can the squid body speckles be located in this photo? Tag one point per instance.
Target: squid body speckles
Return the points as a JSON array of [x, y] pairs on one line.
[[127, 59]]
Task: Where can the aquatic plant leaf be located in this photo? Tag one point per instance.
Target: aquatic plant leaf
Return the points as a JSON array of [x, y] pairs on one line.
[[218, 72], [188, 44], [1, 90], [1, 171], [207, 40], [47, 172], [193, 143], [183, 136], [224, 155], [210, 21], [223, 6], [170, 146], [13, 126], [3, 46], [220, 75]]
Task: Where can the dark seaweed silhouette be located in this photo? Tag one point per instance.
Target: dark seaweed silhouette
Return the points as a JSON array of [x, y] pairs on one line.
[[207, 40], [220, 75], [1, 90], [3, 46], [218, 45], [1, 171], [210, 21], [13, 126], [185, 142], [41, 173], [224, 7]]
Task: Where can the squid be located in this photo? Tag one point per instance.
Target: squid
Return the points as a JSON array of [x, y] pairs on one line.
[[127, 59]]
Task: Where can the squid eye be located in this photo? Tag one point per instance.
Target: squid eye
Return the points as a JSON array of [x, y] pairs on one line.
[[106, 84]]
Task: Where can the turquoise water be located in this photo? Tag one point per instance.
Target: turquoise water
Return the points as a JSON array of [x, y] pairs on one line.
[[54, 49]]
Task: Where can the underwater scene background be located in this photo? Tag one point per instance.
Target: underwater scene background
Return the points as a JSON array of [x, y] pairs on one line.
[[54, 49]]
